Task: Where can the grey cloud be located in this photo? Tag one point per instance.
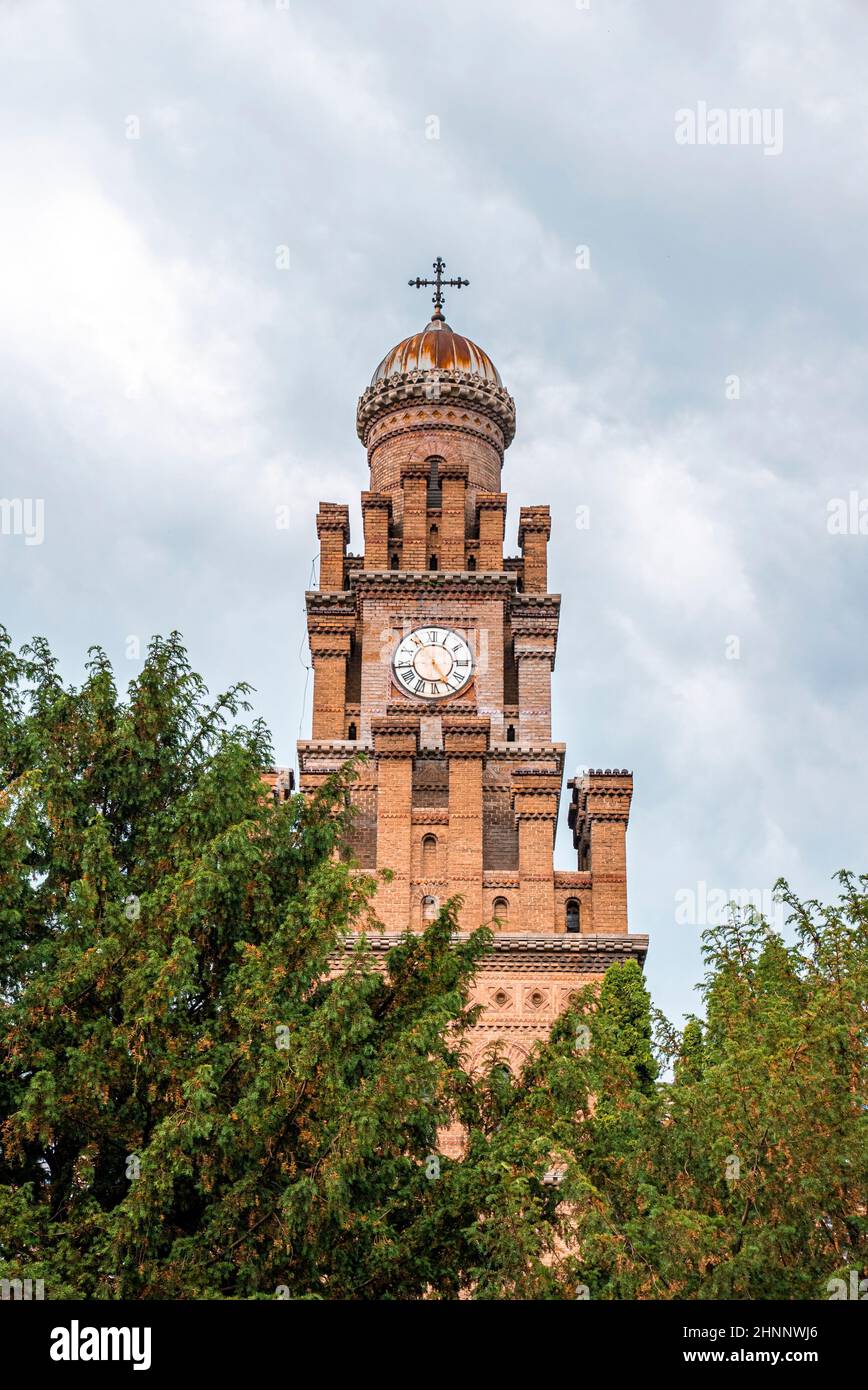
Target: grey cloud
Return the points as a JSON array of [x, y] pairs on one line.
[[165, 387]]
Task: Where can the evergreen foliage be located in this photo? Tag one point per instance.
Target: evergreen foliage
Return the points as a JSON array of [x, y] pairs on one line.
[[195, 1103]]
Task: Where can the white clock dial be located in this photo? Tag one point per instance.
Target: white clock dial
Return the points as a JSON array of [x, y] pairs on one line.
[[433, 662]]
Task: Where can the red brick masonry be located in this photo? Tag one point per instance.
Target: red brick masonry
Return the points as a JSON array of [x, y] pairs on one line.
[[461, 793]]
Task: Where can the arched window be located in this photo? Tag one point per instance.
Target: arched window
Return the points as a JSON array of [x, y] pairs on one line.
[[501, 909], [519, 584], [432, 563], [393, 563], [510, 733], [572, 921], [471, 562], [429, 908], [429, 854], [434, 531], [352, 733]]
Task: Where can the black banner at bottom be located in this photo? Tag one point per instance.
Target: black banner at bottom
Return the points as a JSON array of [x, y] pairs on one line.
[[83, 1340]]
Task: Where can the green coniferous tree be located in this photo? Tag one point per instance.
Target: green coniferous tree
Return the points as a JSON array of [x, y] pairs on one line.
[[207, 1090]]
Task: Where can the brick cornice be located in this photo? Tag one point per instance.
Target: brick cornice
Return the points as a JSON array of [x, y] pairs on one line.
[[328, 645], [494, 501], [599, 796], [341, 746], [395, 736], [572, 878], [415, 468], [453, 469], [562, 952], [531, 753], [337, 603], [438, 390], [540, 646], [535, 795], [534, 519], [466, 735], [433, 584], [333, 516], [331, 624], [534, 806], [321, 757], [535, 622], [376, 501]]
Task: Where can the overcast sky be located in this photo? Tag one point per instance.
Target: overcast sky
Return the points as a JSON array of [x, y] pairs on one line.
[[696, 378]]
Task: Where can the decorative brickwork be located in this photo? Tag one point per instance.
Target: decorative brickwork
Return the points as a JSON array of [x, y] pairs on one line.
[[461, 792], [333, 529]]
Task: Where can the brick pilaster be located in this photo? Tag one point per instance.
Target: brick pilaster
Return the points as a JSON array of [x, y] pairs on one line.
[[329, 651], [534, 529], [396, 743], [466, 740], [491, 511], [376, 512], [453, 530], [599, 815], [535, 805], [534, 657], [333, 529], [414, 482]]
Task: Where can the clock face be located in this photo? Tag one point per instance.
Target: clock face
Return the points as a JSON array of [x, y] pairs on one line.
[[433, 662]]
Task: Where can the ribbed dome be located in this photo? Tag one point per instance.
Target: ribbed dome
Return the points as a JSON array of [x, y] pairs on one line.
[[437, 348]]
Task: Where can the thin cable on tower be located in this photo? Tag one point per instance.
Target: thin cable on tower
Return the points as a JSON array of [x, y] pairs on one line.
[[311, 583]]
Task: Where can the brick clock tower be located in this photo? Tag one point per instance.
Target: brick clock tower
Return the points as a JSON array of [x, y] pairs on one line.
[[433, 652]]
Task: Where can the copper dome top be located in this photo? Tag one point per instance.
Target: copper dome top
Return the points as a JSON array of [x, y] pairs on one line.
[[437, 348]]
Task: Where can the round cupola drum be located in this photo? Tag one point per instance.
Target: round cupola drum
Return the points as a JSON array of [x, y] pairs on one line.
[[436, 401]]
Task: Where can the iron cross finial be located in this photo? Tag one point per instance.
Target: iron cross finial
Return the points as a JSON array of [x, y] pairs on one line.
[[438, 298]]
